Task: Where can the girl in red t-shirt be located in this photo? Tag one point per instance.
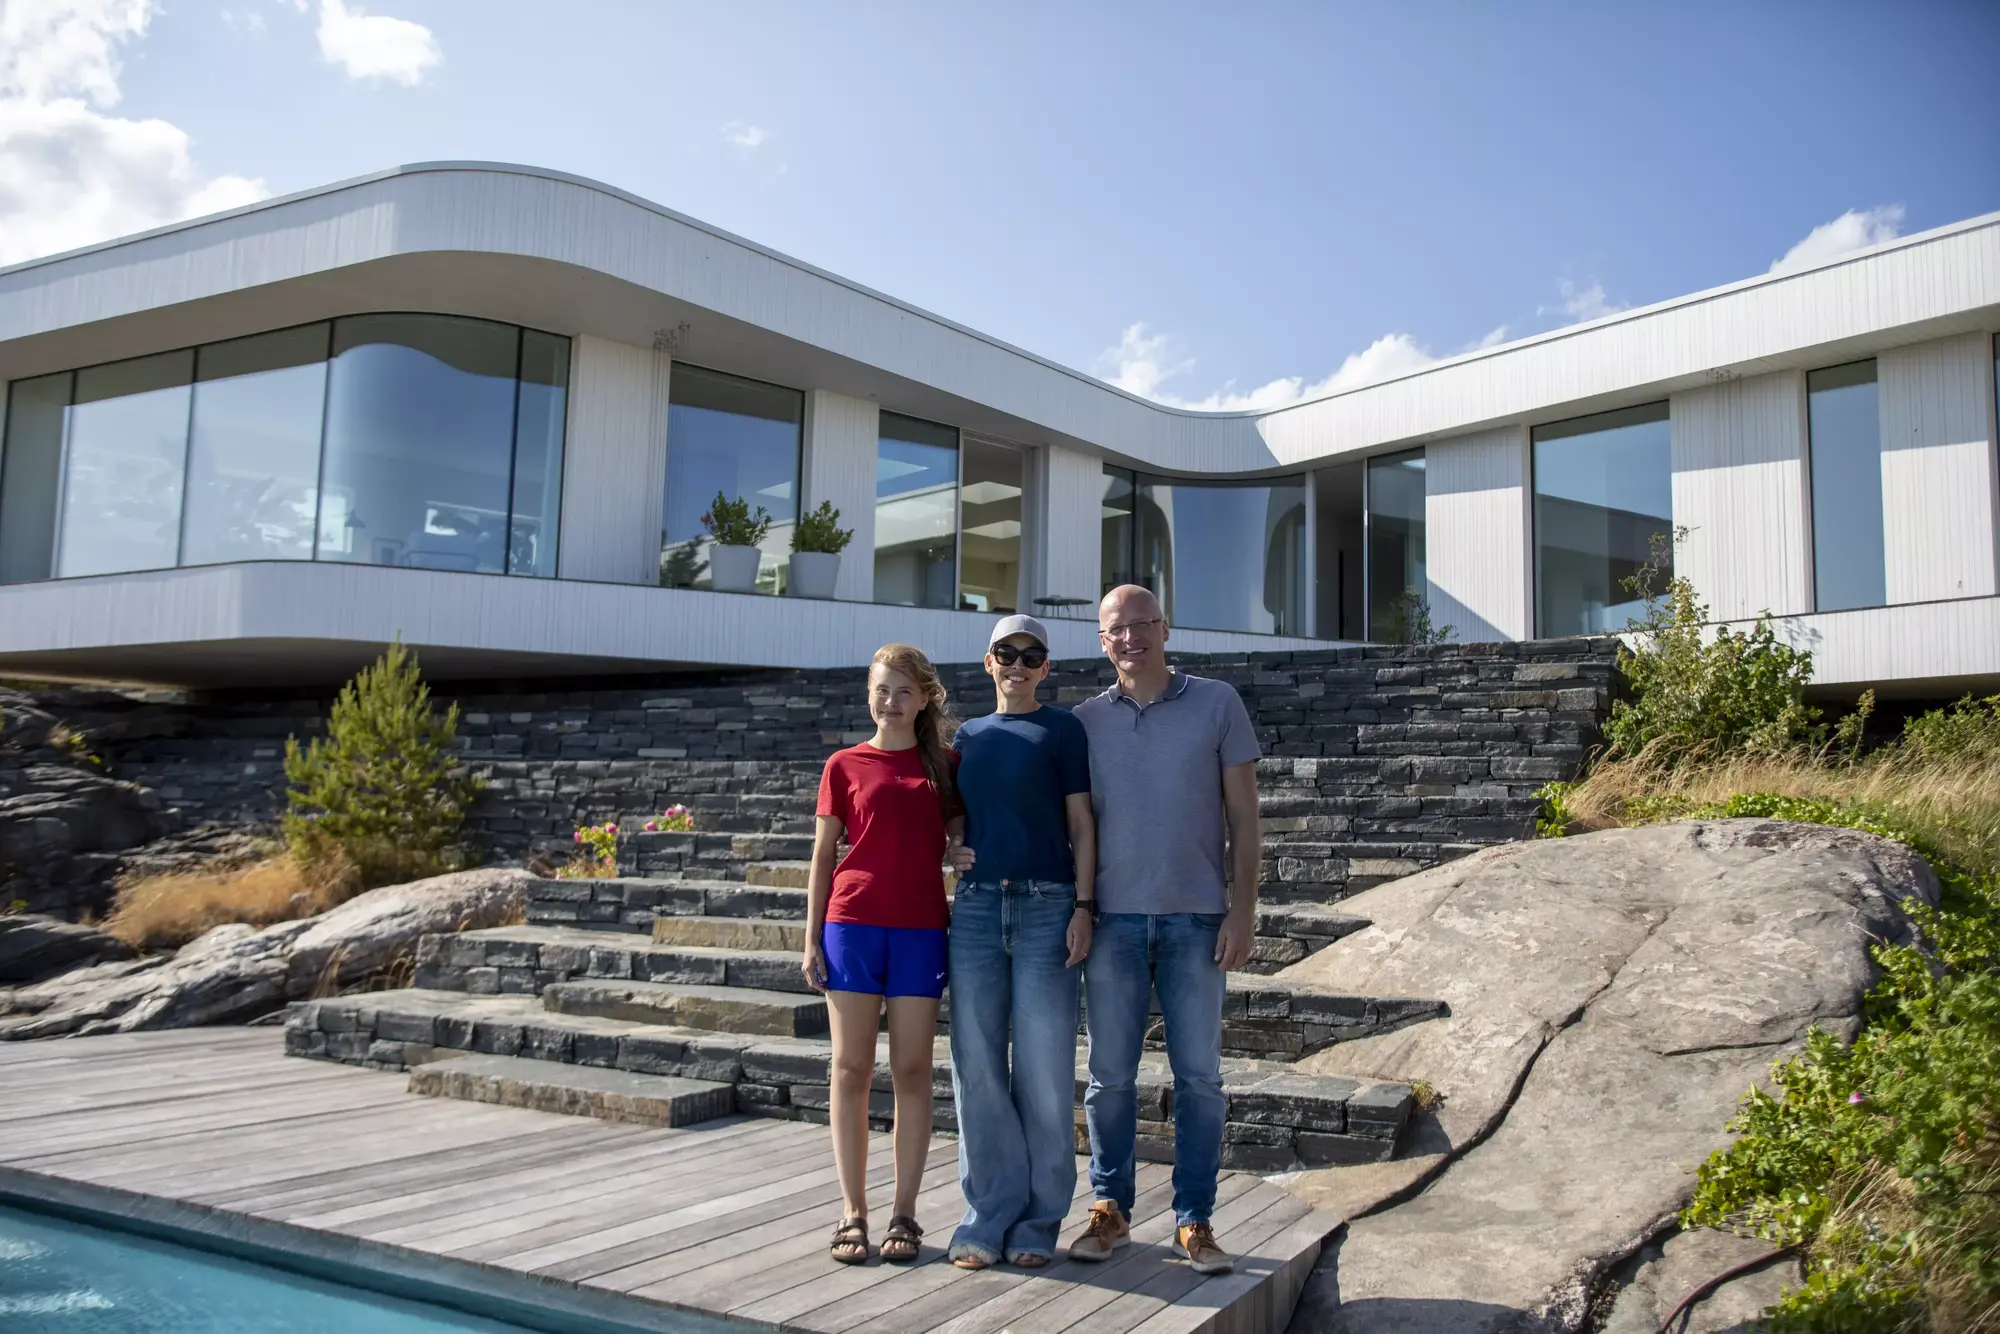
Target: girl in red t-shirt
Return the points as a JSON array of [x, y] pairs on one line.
[[876, 930]]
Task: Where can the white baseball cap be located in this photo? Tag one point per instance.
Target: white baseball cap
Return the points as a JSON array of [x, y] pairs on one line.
[[1018, 625]]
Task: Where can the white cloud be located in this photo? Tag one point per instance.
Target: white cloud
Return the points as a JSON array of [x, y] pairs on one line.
[[1492, 338], [70, 174], [1143, 362], [1852, 230], [374, 46], [747, 137], [1581, 304]]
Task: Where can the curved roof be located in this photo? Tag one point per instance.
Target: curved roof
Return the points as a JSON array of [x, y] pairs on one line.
[[553, 233]]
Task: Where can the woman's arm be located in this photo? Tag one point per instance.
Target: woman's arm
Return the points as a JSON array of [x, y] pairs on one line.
[[1083, 850], [827, 833]]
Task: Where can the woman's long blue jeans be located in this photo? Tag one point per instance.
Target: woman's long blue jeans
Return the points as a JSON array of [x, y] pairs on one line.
[[1016, 1126]]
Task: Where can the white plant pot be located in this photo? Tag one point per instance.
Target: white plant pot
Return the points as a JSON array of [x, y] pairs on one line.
[[733, 569], [814, 573]]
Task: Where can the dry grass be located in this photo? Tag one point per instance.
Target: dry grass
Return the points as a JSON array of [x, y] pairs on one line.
[[164, 912], [1954, 803]]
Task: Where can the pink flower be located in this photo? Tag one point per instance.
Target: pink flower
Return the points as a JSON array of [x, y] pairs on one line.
[[611, 829], [1855, 1100], [577, 837], [652, 826]]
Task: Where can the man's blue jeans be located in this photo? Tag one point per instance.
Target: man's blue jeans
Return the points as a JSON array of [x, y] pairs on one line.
[[1132, 955], [1016, 1130]]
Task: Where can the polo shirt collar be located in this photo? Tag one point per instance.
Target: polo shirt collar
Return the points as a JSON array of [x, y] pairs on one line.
[[1177, 684]]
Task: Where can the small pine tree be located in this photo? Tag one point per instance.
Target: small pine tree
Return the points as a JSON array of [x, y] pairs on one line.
[[382, 791]]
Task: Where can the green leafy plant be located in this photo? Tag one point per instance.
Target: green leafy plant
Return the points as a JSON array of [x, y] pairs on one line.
[[1967, 730], [383, 790], [596, 853], [675, 819], [1552, 820], [1409, 620], [1694, 690], [820, 530], [732, 524]]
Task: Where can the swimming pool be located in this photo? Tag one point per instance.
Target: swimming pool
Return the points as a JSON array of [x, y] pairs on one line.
[[63, 1277]]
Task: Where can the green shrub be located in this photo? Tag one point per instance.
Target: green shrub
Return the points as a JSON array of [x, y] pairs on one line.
[[1410, 620], [1552, 820], [1695, 692], [382, 790], [731, 523], [820, 530], [1966, 731], [1882, 1158]]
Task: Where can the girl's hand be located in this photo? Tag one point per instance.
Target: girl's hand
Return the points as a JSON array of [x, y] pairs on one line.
[[959, 857], [814, 965], [1078, 937]]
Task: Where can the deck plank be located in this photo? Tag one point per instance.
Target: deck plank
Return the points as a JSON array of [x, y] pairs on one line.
[[730, 1217]]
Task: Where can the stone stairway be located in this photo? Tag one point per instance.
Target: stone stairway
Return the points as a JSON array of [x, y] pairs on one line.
[[611, 983]]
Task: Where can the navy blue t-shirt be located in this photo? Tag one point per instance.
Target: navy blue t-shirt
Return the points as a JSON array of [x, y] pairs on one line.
[[1014, 771]]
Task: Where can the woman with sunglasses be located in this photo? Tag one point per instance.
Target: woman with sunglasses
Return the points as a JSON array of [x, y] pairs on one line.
[[1020, 926]]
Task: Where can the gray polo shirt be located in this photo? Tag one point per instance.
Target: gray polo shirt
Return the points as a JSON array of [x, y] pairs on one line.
[[1156, 785]]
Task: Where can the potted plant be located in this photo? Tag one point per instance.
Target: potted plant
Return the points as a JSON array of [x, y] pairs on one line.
[[816, 546], [732, 561]]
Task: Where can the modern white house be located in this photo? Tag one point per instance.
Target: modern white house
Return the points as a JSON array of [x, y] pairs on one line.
[[484, 408]]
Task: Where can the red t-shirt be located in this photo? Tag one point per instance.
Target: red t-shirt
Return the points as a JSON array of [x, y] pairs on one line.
[[893, 872]]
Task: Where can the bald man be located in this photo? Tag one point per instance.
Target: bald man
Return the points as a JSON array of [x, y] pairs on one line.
[[1173, 767]]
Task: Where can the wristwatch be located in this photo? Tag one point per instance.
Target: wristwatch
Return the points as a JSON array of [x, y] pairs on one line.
[[1090, 906]]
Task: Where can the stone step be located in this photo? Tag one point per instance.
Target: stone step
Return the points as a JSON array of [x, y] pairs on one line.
[[715, 1009], [731, 933], [634, 903], [779, 874], [1278, 1119], [576, 1090], [1262, 1017]]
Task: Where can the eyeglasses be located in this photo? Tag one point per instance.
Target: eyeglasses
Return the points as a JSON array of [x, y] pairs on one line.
[[1032, 656], [1127, 629]]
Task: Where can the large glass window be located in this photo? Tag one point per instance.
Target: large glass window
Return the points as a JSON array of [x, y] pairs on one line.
[[253, 447], [30, 475], [124, 456], [1845, 433], [916, 512], [1337, 548], [419, 433], [426, 440], [538, 454], [738, 437], [1396, 576], [990, 528], [1220, 556], [1604, 494]]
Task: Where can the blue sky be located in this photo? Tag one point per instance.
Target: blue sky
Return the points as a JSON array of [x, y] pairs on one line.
[[1216, 204]]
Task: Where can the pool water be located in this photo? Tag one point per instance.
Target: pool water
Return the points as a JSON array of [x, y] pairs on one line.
[[60, 1277]]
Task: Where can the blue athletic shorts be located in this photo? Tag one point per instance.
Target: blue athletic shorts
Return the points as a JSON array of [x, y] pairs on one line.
[[885, 960]]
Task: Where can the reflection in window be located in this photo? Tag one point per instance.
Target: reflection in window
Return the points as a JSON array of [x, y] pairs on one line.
[[916, 512], [419, 422], [1337, 548], [1845, 435], [1396, 576], [538, 454], [30, 474], [253, 447], [990, 528], [1603, 494], [738, 437], [1117, 548], [1225, 556], [123, 461]]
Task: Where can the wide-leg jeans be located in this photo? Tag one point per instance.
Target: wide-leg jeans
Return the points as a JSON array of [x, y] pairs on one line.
[[1016, 1123], [1132, 955]]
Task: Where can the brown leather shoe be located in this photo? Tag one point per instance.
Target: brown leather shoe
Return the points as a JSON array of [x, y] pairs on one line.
[[1197, 1242], [1107, 1231]]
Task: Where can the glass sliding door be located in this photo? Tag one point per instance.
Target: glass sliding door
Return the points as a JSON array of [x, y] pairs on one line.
[[1337, 550], [1398, 584], [916, 513], [124, 459], [31, 475], [1604, 496], [253, 447], [989, 577], [1225, 556], [1844, 428], [1119, 530], [742, 438]]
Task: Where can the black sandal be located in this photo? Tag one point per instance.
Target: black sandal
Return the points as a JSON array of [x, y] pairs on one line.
[[849, 1236], [902, 1237]]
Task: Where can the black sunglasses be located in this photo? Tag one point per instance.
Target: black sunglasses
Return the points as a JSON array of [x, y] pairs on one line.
[[1032, 656]]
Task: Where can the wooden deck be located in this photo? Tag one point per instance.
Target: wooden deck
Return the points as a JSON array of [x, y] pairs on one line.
[[724, 1224]]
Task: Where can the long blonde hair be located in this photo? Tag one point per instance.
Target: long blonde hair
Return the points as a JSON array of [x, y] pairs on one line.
[[936, 724]]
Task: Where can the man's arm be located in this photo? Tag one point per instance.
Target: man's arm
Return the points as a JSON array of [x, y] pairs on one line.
[[1239, 806]]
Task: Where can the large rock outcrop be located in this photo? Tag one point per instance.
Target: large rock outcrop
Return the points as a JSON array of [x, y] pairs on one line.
[[235, 973], [1612, 996], [34, 947]]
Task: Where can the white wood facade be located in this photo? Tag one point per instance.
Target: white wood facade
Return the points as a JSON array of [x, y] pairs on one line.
[[626, 280], [1476, 517]]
